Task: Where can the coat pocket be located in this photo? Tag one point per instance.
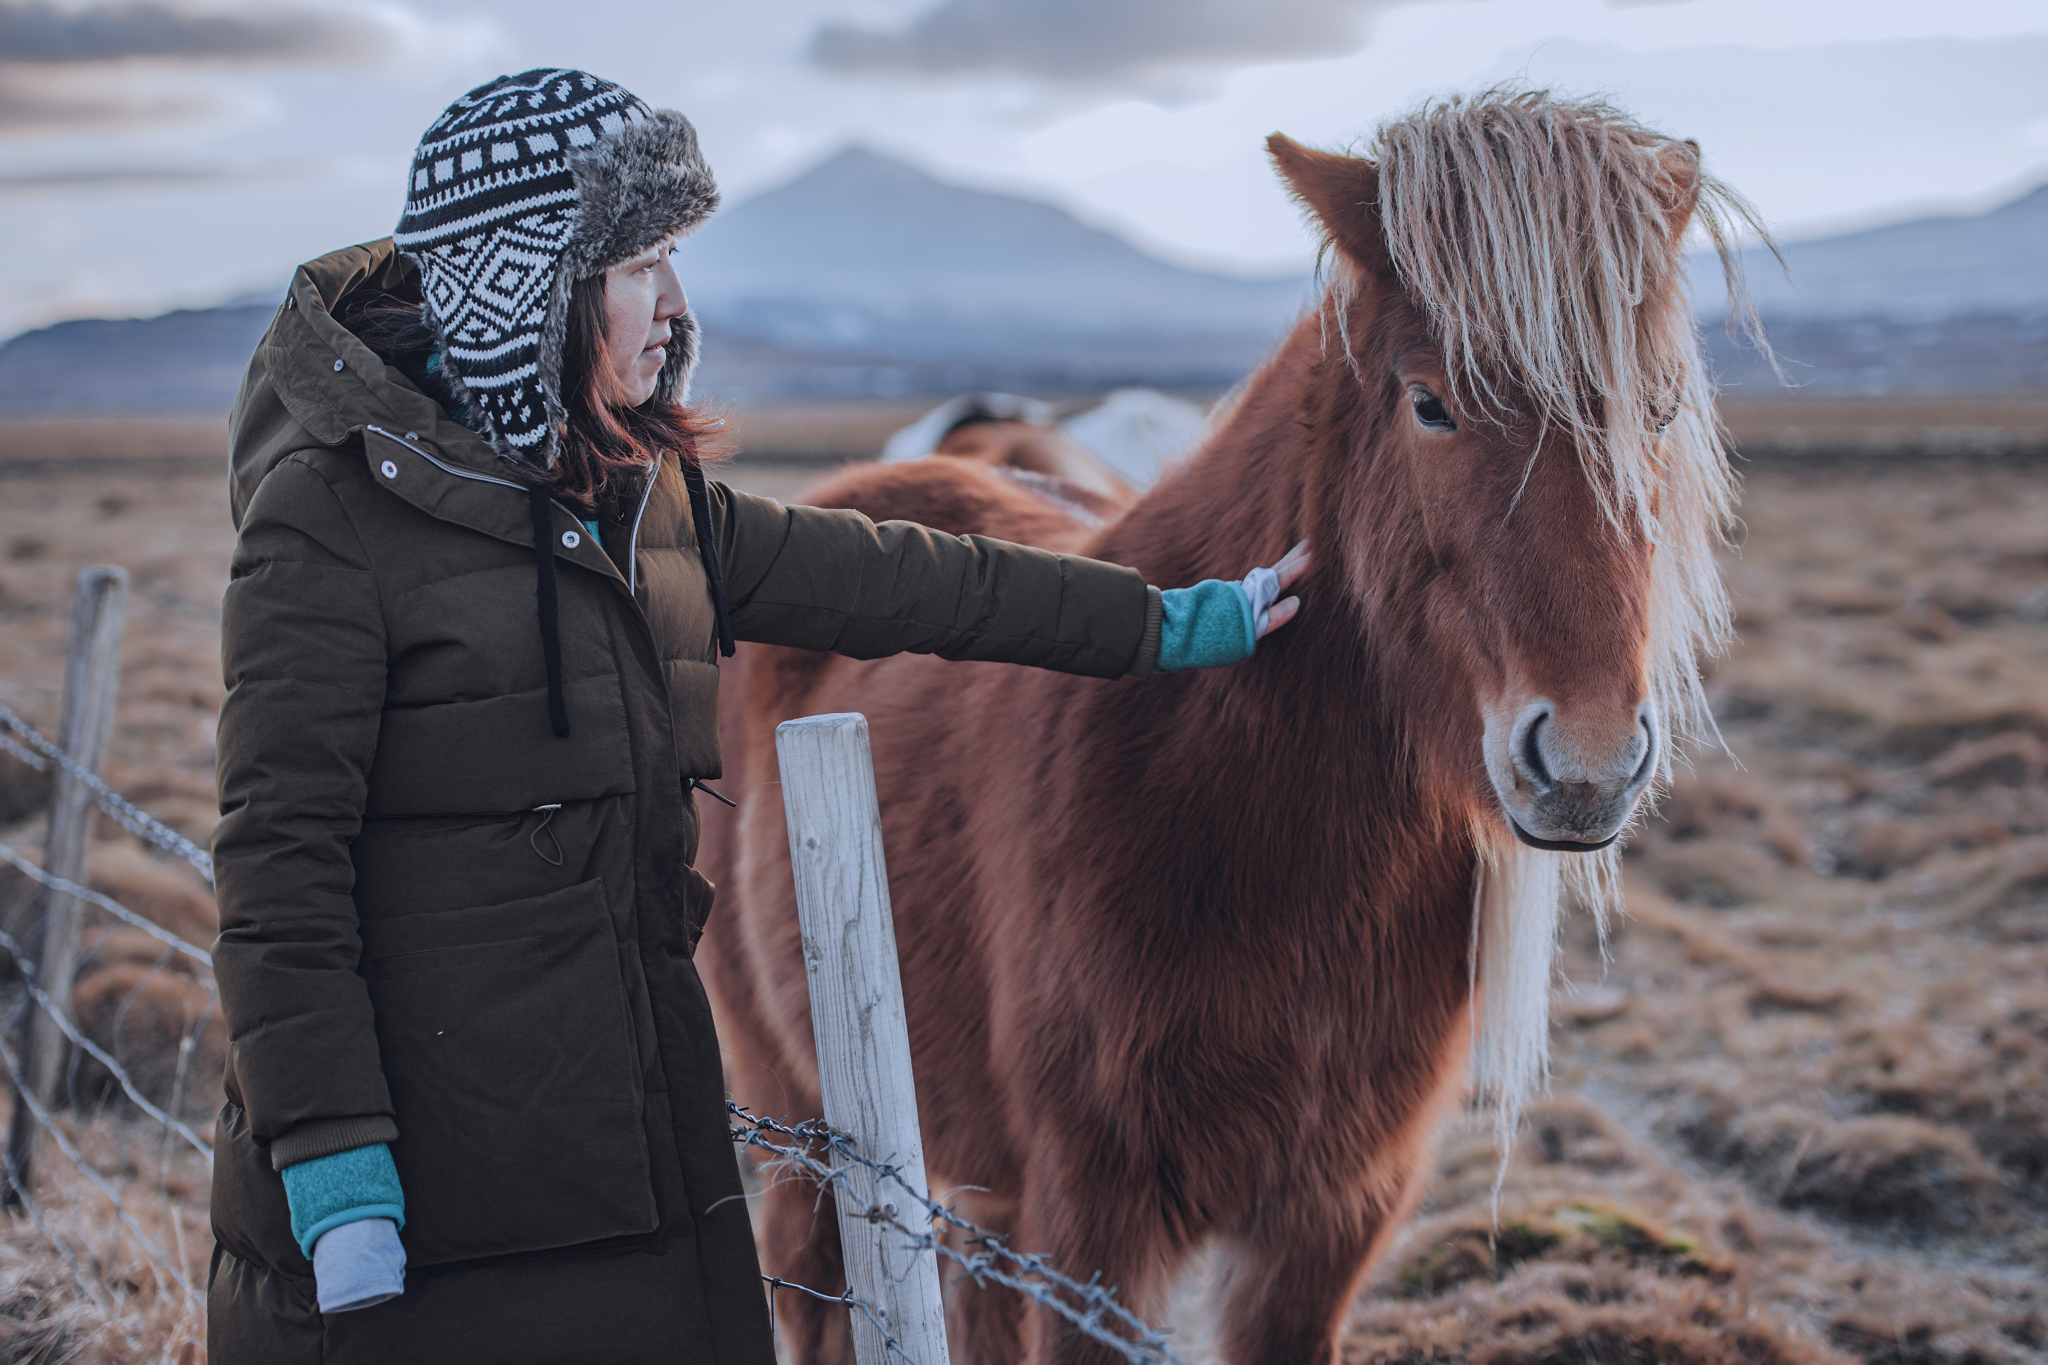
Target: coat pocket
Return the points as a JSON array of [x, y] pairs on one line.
[[507, 1047]]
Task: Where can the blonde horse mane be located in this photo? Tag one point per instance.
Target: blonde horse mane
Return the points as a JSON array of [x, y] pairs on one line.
[[1537, 237]]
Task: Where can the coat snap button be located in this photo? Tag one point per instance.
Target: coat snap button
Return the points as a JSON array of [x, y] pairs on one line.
[[337, 367], [390, 470], [570, 540], [412, 436]]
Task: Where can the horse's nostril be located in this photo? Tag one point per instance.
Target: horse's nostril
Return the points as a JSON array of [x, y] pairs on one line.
[[1532, 753], [1643, 769]]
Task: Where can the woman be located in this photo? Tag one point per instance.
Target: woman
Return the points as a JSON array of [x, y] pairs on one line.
[[471, 644]]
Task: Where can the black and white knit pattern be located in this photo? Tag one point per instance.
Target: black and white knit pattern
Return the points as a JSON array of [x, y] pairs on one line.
[[521, 187]]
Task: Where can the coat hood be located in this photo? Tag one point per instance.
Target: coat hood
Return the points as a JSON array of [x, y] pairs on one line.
[[312, 384]]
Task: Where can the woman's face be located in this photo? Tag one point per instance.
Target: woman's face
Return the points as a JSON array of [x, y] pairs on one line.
[[641, 297]]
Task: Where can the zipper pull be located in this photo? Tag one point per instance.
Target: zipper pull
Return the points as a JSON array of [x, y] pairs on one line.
[[698, 783]]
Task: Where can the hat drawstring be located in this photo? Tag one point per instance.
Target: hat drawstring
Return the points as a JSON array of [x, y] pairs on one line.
[[550, 624], [707, 549]]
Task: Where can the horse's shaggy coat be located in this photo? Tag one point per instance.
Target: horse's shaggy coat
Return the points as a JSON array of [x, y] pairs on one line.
[[1195, 959]]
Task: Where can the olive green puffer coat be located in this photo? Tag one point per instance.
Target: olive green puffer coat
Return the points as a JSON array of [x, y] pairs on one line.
[[446, 928]]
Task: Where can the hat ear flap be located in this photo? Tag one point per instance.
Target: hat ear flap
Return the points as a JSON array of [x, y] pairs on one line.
[[685, 340]]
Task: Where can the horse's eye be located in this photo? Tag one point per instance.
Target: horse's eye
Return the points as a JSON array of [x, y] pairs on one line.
[[1430, 410]]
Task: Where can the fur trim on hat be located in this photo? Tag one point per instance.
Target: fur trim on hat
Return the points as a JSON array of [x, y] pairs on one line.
[[643, 183], [633, 188]]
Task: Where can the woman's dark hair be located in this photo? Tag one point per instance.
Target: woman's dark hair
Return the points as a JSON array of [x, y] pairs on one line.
[[605, 443], [398, 333]]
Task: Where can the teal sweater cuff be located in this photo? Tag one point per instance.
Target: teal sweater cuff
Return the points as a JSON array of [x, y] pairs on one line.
[[1206, 626], [328, 1191]]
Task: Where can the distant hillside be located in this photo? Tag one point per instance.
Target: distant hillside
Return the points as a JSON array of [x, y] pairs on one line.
[[864, 257], [868, 276], [862, 275], [188, 361], [1934, 306], [1931, 269]]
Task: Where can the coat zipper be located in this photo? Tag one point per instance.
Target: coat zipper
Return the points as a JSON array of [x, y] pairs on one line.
[[633, 544], [632, 562], [502, 483]]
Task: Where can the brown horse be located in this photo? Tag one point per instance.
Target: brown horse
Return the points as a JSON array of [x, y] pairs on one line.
[[1205, 960]]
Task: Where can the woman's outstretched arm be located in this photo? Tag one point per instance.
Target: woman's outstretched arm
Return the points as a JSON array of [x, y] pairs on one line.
[[834, 580]]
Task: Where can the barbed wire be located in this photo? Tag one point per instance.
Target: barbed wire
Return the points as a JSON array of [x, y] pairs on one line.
[[108, 904], [25, 1094], [889, 1343], [118, 808], [1089, 1307], [91, 1288], [96, 1052], [25, 754], [33, 997]]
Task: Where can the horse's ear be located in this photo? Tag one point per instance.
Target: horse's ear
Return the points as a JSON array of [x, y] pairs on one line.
[[1343, 192], [1680, 162]]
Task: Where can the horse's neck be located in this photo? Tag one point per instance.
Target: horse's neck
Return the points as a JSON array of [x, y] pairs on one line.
[[1239, 501], [1319, 735]]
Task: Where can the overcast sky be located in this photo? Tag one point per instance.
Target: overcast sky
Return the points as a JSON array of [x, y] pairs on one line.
[[157, 154]]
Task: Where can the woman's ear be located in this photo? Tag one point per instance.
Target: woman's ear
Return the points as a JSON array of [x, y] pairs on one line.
[[1343, 192]]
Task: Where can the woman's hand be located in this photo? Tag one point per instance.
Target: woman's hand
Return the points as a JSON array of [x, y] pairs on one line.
[[1270, 583], [1217, 623]]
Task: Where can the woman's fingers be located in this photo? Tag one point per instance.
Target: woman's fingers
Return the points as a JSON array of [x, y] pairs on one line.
[[1280, 614], [1293, 565]]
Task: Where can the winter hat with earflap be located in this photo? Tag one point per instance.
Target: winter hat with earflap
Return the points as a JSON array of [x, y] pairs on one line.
[[522, 187]]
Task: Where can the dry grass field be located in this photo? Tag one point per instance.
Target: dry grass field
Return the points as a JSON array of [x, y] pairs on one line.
[[1801, 1106]]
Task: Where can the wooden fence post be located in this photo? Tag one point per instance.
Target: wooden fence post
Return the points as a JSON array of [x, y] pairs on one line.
[[849, 940], [92, 671]]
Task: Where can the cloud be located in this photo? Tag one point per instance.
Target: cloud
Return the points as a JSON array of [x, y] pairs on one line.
[[1088, 41], [37, 34], [117, 177], [73, 68], [40, 100]]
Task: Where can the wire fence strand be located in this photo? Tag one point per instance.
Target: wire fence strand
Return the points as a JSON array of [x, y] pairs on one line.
[[812, 1148], [1089, 1307], [25, 1095], [117, 807], [169, 1271], [99, 1054], [108, 904]]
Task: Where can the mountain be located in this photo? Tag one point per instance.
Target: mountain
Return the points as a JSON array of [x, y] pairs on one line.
[[1947, 305], [1929, 269], [863, 251], [188, 361], [867, 275], [864, 275]]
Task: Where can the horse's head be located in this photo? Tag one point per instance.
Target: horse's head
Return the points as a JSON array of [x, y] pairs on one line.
[[1518, 446]]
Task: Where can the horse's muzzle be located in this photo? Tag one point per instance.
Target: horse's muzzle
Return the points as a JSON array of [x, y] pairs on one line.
[[1571, 788]]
